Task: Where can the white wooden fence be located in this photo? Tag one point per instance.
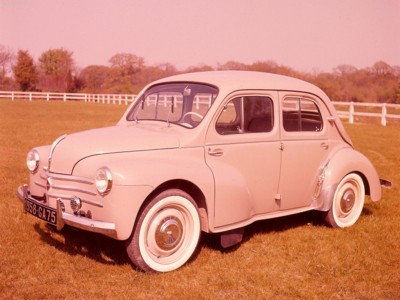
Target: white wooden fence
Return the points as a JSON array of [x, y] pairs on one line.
[[100, 98], [352, 109], [380, 111]]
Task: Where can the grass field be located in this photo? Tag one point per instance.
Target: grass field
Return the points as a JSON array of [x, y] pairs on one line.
[[287, 258]]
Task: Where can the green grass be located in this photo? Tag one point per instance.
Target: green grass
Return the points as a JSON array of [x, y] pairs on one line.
[[287, 258]]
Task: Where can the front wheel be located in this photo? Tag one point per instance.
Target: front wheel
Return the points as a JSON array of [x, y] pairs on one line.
[[166, 234], [347, 203]]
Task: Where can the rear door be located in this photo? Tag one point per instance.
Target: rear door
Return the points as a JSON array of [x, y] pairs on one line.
[[304, 144]]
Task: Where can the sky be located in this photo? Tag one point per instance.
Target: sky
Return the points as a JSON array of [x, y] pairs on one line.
[[306, 35]]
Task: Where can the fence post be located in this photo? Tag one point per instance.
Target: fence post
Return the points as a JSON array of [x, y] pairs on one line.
[[383, 116], [47, 97], [351, 113], [12, 96], [65, 97], [30, 96]]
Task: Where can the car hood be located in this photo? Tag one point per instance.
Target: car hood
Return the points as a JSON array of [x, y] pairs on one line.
[[77, 146]]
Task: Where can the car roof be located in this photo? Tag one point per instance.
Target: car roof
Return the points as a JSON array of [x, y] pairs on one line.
[[240, 80], [229, 81]]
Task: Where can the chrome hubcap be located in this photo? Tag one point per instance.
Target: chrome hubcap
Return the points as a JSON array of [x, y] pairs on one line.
[[347, 201], [169, 233]]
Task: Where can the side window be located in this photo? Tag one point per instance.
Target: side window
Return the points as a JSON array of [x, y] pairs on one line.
[[300, 114], [246, 114]]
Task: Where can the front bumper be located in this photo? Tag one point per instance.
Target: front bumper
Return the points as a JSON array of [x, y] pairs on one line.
[[64, 218]]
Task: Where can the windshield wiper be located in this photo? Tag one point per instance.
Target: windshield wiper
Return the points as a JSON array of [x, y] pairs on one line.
[[171, 110]]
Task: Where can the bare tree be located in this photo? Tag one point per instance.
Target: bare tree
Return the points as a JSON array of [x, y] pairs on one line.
[[6, 60]]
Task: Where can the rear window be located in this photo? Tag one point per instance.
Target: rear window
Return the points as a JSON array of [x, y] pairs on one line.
[[301, 114]]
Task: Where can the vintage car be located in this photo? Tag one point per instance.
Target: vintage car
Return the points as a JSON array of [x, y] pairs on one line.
[[207, 151]]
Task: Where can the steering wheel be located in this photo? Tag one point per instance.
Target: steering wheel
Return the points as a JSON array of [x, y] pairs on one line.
[[192, 113]]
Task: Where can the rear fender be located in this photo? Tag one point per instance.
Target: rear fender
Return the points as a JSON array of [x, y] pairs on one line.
[[343, 162]]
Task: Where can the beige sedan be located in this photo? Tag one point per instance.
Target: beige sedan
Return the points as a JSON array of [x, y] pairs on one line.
[[208, 151]]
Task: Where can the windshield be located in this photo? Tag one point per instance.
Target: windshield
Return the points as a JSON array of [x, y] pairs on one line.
[[184, 104]]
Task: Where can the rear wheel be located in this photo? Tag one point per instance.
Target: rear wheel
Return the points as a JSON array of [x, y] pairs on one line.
[[166, 234], [347, 203]]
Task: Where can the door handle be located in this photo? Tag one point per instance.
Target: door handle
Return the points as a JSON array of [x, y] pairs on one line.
[[325, 145], [215, 152]]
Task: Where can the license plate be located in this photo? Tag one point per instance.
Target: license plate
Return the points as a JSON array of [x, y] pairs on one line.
[[40, 211]]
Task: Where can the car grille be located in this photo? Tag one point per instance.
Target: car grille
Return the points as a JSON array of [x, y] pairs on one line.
[[66, 187]]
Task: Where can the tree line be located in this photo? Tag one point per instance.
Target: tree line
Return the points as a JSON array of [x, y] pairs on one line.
[[56, 71]]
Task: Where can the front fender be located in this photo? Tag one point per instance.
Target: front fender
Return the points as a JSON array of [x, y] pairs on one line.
[[150, 168], [341, 163], [153, 168]]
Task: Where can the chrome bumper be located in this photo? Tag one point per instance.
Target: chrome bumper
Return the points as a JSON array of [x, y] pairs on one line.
[[385, 183], [63, 218]]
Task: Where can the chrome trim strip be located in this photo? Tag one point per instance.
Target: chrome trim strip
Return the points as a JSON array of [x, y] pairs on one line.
[[68, 178], [72, 178], [69, 197], [320, 181], [67, 188], [40, 184], [73, 189]]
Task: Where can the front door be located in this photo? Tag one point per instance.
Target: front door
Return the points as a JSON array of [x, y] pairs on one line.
[[242, 151]]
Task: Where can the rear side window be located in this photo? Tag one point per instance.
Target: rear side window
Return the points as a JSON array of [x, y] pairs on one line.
[[247, 114], [301, 114]]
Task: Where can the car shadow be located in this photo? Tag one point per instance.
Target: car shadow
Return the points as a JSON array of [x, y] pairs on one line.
[[265, 227], [108, 251], [281, 224], [77, 242]]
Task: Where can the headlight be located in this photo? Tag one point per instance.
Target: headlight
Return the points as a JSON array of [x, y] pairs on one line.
[[32, 161], [103, 180]]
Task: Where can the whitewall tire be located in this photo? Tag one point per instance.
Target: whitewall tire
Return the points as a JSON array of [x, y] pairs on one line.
[[166, 233], [348, 202]]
